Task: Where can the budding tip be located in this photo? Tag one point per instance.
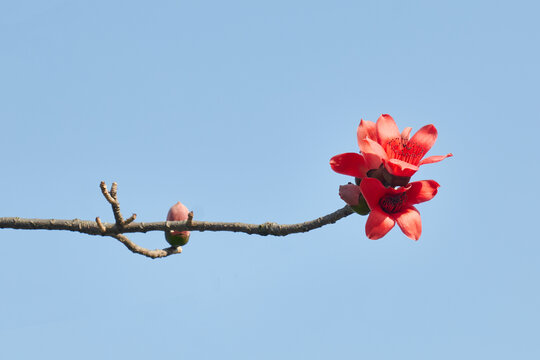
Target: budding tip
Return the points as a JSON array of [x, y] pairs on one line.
[[178, 212]]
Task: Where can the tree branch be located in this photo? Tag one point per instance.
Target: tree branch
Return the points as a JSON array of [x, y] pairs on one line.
[[108, 229], [122, 226]]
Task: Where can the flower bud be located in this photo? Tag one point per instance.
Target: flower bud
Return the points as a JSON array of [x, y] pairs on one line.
[[352, 195], [178, 212]]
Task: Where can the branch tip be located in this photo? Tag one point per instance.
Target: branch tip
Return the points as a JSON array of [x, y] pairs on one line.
[[130, 219], [100, 225], [106, 194]]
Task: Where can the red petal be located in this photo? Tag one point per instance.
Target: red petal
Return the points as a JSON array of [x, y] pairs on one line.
[[366, 129], [434, 159], [420, 191], [378, 224], [410, 222], [372, 190], [400, 168], [386, 129], [373, 153], [352, 164], [425, 137]]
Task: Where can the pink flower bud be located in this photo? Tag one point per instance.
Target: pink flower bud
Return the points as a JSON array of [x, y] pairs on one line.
[[178, 212], [352, 195]]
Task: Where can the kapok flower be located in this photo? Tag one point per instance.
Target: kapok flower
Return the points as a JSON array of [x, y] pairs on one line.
[[178, 212], [400, 154], [389, 205], [352, 195]]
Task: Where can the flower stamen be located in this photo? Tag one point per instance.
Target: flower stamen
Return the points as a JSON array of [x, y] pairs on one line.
[[392, 204], [402, 149]]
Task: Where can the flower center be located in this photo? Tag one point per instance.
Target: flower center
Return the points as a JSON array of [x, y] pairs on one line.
[[392, 204], [402, 149]]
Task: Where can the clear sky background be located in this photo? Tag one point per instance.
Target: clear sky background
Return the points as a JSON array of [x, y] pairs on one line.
[[235, 108]]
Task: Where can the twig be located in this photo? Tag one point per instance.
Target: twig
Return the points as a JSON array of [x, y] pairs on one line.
[[154, 254], [112, 199], [130, 219], [100, 225]]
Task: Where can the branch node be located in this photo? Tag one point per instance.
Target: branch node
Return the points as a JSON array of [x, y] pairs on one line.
[[189, 220]]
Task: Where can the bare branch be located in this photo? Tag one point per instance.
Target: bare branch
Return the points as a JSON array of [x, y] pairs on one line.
[[91, 227], [121, 227]]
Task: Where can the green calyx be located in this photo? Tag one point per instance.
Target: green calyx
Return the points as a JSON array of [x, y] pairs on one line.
[[176, 239], [362, 208]]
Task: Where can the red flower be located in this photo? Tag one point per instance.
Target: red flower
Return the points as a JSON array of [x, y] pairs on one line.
[[389, 205], [381, 143], [400, 155]]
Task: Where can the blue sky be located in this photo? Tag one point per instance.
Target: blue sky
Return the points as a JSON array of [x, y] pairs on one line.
[[235, 108]]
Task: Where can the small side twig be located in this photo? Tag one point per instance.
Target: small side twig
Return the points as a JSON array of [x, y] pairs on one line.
[[100, 225], [113, 200], [154, 254], [130, 219]]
